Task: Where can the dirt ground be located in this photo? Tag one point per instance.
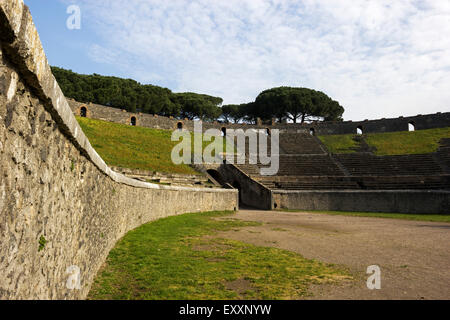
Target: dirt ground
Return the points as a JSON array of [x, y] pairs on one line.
[[414, 256]]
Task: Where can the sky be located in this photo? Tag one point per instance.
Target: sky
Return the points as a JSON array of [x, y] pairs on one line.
[[378, 58]]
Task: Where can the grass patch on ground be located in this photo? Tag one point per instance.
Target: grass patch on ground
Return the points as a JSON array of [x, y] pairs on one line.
[[390, 143], [179, 258], [404, 216], [134, 147]]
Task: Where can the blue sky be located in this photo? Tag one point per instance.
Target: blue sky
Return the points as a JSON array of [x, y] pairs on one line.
[[378, 58], [67, 48]]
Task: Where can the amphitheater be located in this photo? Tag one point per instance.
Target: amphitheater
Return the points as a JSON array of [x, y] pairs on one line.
[[53, 182], [312, 178]]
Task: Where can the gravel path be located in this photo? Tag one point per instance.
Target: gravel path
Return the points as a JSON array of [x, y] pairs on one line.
[[414, 256]]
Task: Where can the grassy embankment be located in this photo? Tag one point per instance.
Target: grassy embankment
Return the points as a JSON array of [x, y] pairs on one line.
[[180, 258], [134, 147], [390, 143]]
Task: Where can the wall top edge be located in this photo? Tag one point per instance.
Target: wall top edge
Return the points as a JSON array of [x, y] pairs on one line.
[[25, 49]]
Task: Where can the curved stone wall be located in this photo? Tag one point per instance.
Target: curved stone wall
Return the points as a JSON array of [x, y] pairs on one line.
[[61, 207], [395, 201], [420, 122]]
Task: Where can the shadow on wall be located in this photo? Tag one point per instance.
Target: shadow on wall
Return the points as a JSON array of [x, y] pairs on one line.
[[237, 186], [216, 176]]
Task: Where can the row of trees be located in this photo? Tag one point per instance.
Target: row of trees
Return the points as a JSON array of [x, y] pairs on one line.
[[282, 103], [286, 104], [132, 96]]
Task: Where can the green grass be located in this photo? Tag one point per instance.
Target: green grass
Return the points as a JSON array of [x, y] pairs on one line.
[[416, 142], [339, 143], [390, 143], [134, 147], [179, 258], [42, 243], [404, 216]]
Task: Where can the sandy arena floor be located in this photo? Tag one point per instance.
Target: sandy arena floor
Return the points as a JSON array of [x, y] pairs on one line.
[[414, 256]]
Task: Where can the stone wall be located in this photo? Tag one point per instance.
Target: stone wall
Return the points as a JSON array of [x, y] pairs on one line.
[[251, 192], [420, 122], [438, 120], [61, 207], [398, 201]]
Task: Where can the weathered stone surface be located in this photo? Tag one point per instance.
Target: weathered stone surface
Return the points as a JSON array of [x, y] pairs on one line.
[[60, 205], [397, 201], [11, 18]]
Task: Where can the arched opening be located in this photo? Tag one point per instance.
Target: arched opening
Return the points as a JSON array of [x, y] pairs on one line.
[[312, 131], [224, 131], [83, 112], [133, 121], [180, 125], [411, 127], [216, 176], [268, 131], [359, 130]]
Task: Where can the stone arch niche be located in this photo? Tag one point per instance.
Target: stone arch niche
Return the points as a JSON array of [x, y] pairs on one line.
[[83, 111], [359, 130], [180, 125], [411, 126], [133, 121]]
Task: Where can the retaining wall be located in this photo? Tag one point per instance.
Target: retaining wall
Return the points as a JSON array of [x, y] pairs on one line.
[[398, 201], [251, 192], [430, 121], [61, 206]]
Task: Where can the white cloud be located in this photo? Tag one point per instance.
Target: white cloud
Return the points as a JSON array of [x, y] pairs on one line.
[[378, 58]]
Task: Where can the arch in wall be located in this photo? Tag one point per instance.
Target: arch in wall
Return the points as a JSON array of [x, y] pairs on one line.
[[180, 125], [411, 126], [359, 130], [133, 121], [83, 112], [224, 131], [312, 131]]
